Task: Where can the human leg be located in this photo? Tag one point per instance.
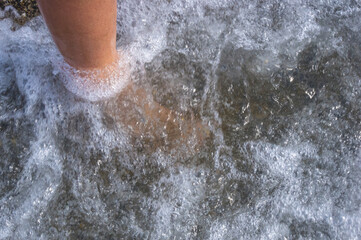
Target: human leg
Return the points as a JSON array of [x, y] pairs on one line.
[[83, 30]]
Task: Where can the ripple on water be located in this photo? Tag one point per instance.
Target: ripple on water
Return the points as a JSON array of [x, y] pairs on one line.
[[241, 121]]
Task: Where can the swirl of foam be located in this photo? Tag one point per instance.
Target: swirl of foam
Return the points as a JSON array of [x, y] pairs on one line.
[[96, 84]]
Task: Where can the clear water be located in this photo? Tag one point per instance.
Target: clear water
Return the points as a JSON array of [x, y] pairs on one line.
[[276, 86]]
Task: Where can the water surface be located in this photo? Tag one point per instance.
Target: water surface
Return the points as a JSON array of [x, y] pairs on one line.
[[264, 142]]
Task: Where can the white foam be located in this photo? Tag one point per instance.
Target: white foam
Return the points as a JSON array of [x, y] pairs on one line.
[[177, 200], [91, 84]]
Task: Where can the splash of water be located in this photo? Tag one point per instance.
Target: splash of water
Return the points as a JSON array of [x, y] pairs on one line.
[[275, 85]]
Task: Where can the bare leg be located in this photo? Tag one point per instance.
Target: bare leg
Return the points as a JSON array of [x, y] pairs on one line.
[[85, 33], [83, 30]]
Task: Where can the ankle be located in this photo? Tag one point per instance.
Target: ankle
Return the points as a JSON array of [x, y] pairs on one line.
[[99, 82], [91, 62]]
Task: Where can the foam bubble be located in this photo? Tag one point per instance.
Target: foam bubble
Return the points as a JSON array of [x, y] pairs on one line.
[[96, 85], [279, 165]]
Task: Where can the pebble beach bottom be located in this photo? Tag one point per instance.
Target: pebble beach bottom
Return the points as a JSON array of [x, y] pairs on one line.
[[242, 121]]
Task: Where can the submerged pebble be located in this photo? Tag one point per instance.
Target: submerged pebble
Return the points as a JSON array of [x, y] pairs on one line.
[[25, 10]]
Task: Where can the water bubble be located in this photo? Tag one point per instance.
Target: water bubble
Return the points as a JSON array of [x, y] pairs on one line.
[[275, 164], [310, 92]]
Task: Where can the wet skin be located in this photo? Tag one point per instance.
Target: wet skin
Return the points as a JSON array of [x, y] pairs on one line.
[[158, 126], [86, 37]]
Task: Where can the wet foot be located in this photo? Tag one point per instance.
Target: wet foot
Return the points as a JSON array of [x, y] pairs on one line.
[[154, 125]]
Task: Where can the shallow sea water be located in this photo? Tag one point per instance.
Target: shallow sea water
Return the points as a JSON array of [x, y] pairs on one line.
[[274, 86]]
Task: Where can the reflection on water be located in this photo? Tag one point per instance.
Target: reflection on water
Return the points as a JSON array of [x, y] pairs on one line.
[[242, 122]]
